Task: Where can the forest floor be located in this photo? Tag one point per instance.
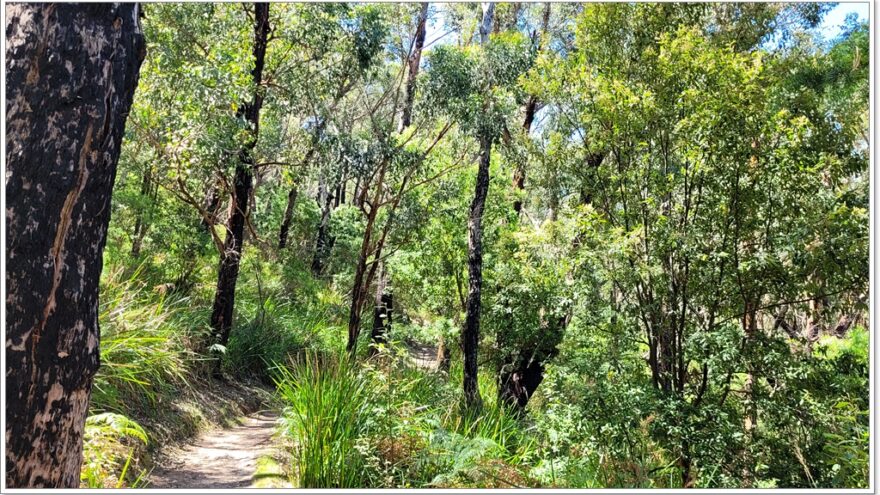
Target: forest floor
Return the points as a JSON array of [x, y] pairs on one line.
[[221, 458]]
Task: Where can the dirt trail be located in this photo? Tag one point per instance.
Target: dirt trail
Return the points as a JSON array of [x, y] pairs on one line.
[[222, 458], [423, 355]]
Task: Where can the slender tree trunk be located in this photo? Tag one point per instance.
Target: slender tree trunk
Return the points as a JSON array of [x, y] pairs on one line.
[[470, 335], [288, 217], [519, 173], [212, 205], [284, 230], [471, 331], [413, 66], [71, 73], [444, 357], [383, 310], [323, 241], [750, 422], [140, 227], [227, 274]]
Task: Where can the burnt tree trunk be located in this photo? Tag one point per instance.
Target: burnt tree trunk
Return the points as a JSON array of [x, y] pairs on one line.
[[284, 230], [413, 61], [324, 240], [383, 310], [470, 334], [230, 259], [471, 331], [71, 74], [288, 217]]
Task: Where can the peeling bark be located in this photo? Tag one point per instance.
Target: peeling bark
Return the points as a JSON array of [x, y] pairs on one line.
[[71, 75]]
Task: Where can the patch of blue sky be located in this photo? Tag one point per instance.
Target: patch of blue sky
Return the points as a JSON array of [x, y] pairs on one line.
[[834, 21]]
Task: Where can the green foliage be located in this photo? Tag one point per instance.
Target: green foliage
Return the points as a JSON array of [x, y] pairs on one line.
[[328, 408], [146, 343], [110, 441], [694, 225]]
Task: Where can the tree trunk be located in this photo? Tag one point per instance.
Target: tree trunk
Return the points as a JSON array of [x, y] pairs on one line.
[[443, 356], [227, 274], [519, 380], [212, 205], [230, 259], [471, 331], [324, 240], [750, 422], [140, 227], [288, 217], [519, 173], [470, 335], [413, 66], [71, 73], [382, 312]]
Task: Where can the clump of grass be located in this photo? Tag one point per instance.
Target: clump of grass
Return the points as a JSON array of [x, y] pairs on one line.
[[142, 347], [327, 411]]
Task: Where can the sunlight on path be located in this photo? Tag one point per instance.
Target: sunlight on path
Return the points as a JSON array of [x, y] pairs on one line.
[[224, 458]]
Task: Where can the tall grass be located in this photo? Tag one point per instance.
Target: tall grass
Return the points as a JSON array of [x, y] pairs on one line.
[[328, 407], [144, 345]]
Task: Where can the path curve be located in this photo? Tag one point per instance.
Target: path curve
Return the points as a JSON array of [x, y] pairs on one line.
[[222, 458]]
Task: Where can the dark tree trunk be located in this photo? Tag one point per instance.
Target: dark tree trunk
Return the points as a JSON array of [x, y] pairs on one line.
[[284, 230], [471, 331], [324, 241], [519, 380], [140, 225], [519, 173], [288, 217], [413, 67], [383, 310], [71, 73], [230, 259], [227, 274]]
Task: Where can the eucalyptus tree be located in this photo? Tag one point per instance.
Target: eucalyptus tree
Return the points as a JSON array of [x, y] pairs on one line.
[[71, 73], [693, 213]]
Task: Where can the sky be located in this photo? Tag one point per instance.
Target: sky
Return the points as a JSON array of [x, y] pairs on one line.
[[833, 21]]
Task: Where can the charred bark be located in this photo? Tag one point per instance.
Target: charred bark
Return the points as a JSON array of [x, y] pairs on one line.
[[383, 310], [471, 330], [324, 240], [230, 259], [531, 108], [71, 75]]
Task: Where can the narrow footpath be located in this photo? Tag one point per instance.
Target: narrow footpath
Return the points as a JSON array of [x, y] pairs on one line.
[[221, 458]]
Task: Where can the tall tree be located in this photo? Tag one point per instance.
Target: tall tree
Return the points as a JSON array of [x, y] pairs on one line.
[[71, 75], [471, 331], [382, 311], [230, 258]]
